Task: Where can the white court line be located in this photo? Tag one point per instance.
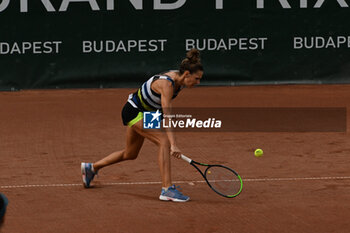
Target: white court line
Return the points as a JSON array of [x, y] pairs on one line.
[[298, 179], [178, 182]]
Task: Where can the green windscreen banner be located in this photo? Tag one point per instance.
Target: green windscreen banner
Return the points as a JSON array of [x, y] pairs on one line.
[[119, 43]]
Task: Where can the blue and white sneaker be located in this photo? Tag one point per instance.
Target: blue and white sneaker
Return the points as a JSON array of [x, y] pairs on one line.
[[172, 194], [87, 173]]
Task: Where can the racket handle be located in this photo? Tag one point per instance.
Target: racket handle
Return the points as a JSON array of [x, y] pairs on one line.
[[186, 158]]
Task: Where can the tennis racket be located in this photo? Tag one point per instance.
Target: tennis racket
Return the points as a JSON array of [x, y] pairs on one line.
[[223, 180]]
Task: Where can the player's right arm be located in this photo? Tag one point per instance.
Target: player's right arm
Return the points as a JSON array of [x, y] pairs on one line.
[[166, 90]]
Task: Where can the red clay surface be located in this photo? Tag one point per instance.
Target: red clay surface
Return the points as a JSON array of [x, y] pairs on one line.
[[46, 134]]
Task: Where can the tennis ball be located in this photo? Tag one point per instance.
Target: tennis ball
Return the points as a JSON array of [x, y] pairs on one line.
[[258, 152]]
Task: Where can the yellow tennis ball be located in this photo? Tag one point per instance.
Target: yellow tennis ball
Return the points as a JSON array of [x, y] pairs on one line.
[[258, 152]]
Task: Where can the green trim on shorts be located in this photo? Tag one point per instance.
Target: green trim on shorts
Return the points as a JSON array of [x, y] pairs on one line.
[[136, 119]]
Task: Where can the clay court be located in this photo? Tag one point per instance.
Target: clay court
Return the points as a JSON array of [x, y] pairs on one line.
[[300, 184]]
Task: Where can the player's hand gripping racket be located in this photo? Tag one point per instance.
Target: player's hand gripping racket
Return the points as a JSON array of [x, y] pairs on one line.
[[223, 180]]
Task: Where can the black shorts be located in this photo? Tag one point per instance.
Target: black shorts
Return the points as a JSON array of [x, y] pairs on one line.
[[131, 115]]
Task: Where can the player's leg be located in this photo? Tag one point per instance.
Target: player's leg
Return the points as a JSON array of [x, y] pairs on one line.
[[161, 140], [134, 143], [169, 191]]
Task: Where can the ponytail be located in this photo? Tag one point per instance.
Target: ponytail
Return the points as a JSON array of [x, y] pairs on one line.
[[192, 62]]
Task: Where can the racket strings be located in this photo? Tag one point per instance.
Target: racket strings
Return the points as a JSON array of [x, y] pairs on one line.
[[223, 180]]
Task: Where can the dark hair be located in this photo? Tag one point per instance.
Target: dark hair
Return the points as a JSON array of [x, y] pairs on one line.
[[192, 62]]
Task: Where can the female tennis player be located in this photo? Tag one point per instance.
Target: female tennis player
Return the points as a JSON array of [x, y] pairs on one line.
[[155, 94]]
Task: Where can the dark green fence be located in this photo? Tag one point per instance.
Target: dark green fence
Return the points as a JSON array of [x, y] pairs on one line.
[[110, 43]]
